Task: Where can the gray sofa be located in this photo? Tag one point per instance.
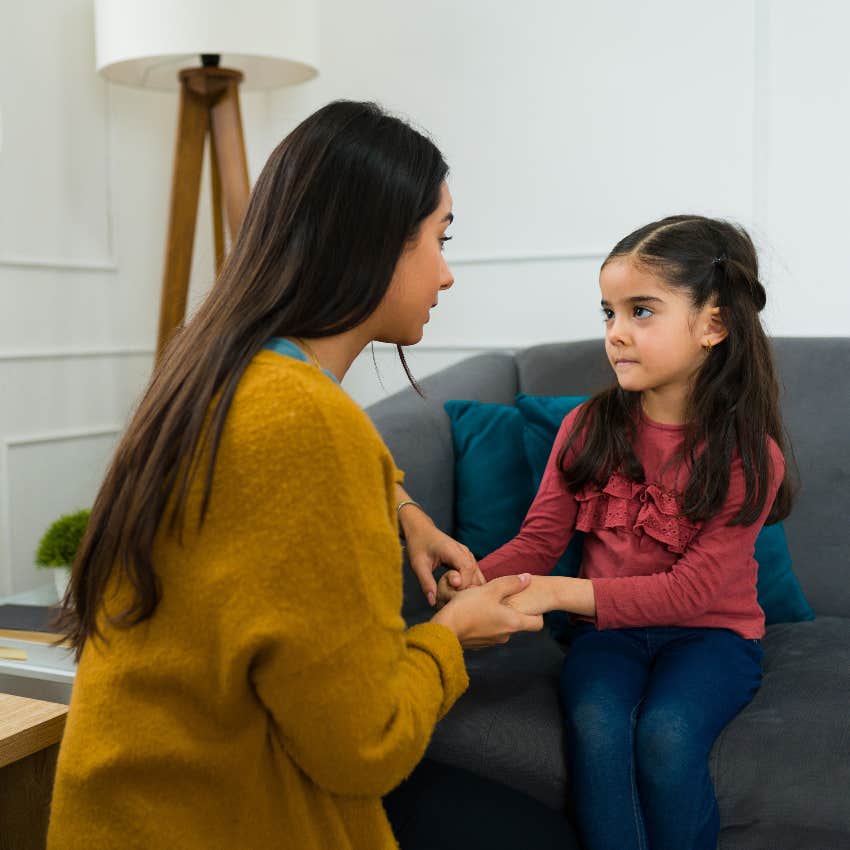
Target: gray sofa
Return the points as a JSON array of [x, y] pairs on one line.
[[782, 767]]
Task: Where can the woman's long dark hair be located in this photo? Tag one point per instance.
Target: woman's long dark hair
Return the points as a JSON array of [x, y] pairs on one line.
[[734, 400], [331, 213]]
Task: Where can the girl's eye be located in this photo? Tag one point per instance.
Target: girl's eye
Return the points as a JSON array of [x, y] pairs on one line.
[[642, 313], [607, 314], [443, 240]]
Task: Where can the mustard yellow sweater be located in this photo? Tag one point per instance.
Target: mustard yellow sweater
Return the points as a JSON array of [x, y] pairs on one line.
[[275, 694]]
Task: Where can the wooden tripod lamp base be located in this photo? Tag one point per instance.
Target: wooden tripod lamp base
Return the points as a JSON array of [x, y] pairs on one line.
[[209, 103]]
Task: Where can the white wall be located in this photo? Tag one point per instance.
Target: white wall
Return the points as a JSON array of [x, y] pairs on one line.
[[566, 125], [569, 124], [85, 170]]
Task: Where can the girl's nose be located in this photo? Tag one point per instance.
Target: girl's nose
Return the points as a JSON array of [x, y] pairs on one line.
[[616, 332]]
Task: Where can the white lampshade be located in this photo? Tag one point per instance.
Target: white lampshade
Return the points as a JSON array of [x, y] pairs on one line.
[[146, 42]]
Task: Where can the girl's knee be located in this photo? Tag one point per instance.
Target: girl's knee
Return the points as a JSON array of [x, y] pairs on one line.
[[667, 746], [598, 726], [591, 714]]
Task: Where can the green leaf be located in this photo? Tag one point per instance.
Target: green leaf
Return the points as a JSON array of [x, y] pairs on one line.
[[59, 545]]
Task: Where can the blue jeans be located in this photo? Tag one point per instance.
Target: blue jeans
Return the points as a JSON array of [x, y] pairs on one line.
[[643, 708]]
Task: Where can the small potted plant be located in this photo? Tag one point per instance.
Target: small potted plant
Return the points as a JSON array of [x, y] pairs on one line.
[[58, 547]]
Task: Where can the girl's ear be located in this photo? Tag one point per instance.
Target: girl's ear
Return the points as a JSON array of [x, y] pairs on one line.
[[715, 328]]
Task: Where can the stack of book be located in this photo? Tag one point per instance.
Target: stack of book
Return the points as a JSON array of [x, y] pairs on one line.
[[33, 659], [29, 618]]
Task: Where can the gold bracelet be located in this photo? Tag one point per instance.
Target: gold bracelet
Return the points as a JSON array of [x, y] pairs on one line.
[[400, 505]]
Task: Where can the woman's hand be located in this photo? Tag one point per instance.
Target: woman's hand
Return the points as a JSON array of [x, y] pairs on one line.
[[428, 548], [480, 617]]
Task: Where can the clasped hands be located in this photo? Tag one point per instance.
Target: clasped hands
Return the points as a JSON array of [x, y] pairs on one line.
[[481, 613], [429, 548]]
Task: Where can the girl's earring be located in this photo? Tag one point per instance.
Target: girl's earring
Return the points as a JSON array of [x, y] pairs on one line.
[[707, 346]]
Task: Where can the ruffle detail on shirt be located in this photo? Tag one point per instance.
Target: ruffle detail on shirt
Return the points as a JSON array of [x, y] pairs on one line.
[[639, 508]]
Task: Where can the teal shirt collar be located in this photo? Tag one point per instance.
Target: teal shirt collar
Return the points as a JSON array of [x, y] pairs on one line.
[[289, 349]]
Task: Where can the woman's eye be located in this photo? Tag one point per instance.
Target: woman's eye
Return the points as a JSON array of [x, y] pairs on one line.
[[642, 313], [607, 314], [443, 240]]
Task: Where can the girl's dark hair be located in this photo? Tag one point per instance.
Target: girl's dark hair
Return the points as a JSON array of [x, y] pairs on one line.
[[734, 400], [332, 211]]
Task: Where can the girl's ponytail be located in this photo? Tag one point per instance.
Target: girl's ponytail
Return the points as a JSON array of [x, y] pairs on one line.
[[737, 278]]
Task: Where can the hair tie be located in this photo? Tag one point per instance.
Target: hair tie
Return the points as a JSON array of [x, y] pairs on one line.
[[720, 258]]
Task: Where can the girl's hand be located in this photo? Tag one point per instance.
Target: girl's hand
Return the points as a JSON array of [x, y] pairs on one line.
[[428, 548], [448, 589], [537, 598], [480, 617], [556, 593]]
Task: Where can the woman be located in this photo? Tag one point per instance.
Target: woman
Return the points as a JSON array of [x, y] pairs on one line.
[[245, 677]]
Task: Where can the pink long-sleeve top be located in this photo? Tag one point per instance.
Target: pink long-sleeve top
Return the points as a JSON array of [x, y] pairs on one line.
[[650, 566]]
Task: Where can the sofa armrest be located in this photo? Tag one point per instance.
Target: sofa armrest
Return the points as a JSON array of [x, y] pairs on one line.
[[418, 434]]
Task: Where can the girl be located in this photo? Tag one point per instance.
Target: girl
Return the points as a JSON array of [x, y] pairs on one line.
[[245, 678], [671, 474]]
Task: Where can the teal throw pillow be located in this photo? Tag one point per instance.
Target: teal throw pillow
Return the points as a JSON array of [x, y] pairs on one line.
[[543, 415], [779, 592], [492, 478]]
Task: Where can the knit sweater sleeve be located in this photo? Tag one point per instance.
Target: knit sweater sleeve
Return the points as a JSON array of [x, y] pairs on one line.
[[548, 525], [693, 584], [351, 695]]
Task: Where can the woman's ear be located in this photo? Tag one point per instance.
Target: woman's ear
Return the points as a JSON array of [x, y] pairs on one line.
[[715, 328]]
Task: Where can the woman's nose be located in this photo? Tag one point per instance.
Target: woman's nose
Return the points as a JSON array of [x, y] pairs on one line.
[[447, 279]]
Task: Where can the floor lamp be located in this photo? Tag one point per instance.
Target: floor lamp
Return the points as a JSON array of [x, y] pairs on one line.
[[207, 49]]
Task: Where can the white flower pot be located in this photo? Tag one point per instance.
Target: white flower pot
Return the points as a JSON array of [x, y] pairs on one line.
[[61, 577]]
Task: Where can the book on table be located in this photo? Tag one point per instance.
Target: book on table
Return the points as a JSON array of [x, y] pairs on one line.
[[29, 618]]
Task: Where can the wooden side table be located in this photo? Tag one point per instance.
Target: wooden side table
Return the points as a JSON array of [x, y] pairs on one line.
[[30, 731]]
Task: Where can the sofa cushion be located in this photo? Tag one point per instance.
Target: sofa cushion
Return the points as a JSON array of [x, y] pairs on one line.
[[507, 726], [815, 406], [781, 768]]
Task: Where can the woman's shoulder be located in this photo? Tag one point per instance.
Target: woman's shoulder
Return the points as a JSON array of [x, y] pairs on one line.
[[288, 401], [283, 387]]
